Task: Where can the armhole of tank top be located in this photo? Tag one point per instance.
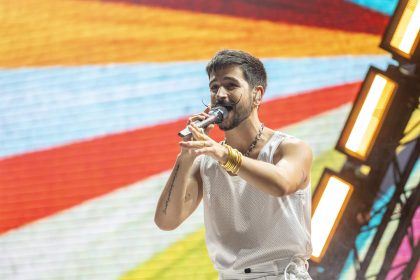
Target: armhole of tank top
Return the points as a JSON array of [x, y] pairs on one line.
[[202, 164], [284, 136], [277, 144]]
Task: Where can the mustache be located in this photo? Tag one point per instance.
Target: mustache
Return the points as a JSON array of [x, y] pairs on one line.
[[227, 104]]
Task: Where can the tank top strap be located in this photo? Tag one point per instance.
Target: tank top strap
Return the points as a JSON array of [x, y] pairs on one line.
[[269, 149]]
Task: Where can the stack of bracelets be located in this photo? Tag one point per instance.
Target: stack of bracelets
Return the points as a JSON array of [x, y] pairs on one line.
[[234, 160]]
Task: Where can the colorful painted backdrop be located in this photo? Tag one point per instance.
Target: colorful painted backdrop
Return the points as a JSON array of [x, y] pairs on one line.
[[93, 93]]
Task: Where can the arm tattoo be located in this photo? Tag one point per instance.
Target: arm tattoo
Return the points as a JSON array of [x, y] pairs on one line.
[[170, 189]]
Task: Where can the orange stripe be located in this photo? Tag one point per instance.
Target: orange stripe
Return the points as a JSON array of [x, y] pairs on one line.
[[69, 32], [39, 184]]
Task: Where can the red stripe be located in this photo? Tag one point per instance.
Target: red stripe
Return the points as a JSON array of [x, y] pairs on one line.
[[38, 184], [332, 14]]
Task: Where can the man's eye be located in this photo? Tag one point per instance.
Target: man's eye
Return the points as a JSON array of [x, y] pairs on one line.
[[214, 89], [231, 86]]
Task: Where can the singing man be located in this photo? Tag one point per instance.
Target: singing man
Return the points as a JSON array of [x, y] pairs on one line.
[[255, 184]]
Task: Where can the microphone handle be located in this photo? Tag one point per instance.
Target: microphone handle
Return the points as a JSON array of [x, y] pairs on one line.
[[201, 124]]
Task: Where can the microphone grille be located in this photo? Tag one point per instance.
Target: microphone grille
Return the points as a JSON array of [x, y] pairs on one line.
[[221, 113]]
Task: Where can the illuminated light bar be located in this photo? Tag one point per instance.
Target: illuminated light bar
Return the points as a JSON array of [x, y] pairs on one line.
[[369, 111], [403, 33], [330, 201]]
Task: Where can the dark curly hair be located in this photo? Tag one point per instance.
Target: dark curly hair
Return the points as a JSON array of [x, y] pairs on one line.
[[252, 68]]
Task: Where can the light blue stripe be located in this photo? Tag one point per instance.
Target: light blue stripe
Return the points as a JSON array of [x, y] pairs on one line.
[[383, 6], [45, 107]]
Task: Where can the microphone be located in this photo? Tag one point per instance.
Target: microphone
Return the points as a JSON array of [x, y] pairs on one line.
[[216, 115]]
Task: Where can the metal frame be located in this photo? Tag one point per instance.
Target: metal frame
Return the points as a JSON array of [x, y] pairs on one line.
[[400, 179], [367, 188], [404, 226]]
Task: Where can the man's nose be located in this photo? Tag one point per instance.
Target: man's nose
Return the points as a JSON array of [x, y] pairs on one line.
[[221, 93]]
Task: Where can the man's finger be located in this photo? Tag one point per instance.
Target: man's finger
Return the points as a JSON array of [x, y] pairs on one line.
[[203, 150], [194, 144], [197, 132], [196, 117], [210, 127], [207, 109]]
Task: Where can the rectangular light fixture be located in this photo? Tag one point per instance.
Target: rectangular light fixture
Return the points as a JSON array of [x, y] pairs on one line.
[[367, 115], [402, 36], [329, 202]]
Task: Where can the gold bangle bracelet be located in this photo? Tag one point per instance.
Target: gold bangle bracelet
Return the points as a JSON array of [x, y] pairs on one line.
[[234, 160]]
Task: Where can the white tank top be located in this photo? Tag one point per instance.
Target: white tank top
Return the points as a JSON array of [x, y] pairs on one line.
[[245, 226]]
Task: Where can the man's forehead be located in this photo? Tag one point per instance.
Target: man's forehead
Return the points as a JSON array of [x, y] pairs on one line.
[[232, 72]]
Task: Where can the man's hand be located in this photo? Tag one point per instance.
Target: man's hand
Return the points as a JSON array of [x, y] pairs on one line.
[[201, 117], [202, 144]]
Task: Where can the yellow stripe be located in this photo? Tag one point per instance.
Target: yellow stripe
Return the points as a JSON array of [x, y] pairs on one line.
[[69, 32], [187, 259]]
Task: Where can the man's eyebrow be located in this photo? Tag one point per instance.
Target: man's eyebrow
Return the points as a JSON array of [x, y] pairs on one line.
[[225, 78], [231, 79]]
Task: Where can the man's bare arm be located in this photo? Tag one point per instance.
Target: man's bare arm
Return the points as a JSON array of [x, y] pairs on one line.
[[181, 195], [289, 174]]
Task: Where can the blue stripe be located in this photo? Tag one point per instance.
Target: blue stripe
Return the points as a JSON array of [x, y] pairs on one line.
[[386, 7], [45, 107]]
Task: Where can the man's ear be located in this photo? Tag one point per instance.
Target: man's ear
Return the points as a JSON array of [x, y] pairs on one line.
[[259, 92]]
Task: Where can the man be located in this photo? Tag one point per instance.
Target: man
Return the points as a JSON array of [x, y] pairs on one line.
[[255, 184]]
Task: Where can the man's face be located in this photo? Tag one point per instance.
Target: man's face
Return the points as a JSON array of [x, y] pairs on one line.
[[228, 88]]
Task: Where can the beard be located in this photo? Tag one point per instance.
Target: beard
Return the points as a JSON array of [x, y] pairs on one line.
[[240, 113]]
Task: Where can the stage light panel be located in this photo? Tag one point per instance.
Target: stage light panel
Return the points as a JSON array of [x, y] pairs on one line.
[[366, 118], [403, 33], [329, 203]]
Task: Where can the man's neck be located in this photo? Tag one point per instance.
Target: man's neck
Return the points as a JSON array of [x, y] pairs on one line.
[[244, 134]]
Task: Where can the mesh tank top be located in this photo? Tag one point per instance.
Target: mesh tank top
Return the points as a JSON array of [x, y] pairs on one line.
[[247, 227]]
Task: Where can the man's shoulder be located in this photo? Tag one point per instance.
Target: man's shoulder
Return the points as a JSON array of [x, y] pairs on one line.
[[289, 139], [292, 144]]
